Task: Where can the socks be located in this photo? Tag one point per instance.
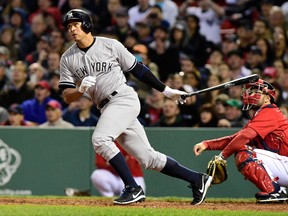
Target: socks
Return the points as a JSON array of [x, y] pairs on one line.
[[174, 169], [119, 164]]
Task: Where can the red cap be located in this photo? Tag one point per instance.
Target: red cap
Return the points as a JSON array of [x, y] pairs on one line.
[[54, 104], [270, 72], [43, 84]]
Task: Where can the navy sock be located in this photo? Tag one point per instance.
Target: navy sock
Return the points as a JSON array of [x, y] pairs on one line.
[[119, 164], [174, 169]]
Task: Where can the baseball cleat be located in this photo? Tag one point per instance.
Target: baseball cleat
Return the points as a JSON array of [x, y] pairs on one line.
[[130, 195], [199, 191], [279, 197]]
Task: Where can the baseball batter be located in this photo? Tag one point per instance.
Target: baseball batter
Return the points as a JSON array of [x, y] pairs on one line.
[[261, 147], [96, 65]]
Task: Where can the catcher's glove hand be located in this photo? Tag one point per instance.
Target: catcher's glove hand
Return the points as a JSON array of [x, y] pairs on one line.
[[217, 168]]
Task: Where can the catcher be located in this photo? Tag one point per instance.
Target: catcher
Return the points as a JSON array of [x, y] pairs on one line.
[[260, 148]]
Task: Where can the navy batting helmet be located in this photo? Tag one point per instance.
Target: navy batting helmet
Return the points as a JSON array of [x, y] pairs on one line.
[[77, 15]]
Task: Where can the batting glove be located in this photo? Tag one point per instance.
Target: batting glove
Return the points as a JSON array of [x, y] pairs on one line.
[[86, 83], [174, 94]]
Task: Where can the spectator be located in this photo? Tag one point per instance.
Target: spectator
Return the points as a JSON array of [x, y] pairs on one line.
[[107, 16], [284, 85], [179, 35], [53, 112], [18, 21], [138, 12], [4, 115], [171, 115], [224, 72], [46, 6], [107, 182], [284, 110], [266, 49], [169, 10], [17, 90], [219, 108], [81, 116], [233, 114], [54, 79], [209, 19], [16, 117], [155, 18], [229, 43], [270, 74], [246, 36], [207, 116], [280, 66], [215, 59], [188, 110], [163, 54], [53, 60], [121, 28], [143, 31], [237, 64], [5, 57], [198, 45], [8, 40], [3, 77], [154, 102], [36, 74], [210, 97], [41, 52], [34, 109], [276, 18], [75, 4], [261, 29], [235, 92], [280, 47], [28, 43], [57, 41], [254, 60]]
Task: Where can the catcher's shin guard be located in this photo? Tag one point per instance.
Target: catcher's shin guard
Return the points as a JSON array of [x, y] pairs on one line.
[[254, 171]]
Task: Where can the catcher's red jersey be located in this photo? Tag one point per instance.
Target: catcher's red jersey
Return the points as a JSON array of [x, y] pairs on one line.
[[268, 130], [272, 129]]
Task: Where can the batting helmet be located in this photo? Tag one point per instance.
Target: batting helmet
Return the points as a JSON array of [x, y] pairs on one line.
[[77, 15], [252, 92]]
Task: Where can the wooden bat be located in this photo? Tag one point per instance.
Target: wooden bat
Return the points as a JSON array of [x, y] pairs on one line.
[[236, 82]]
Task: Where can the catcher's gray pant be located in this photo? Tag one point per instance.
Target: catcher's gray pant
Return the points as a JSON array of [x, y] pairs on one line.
[[119, 121]]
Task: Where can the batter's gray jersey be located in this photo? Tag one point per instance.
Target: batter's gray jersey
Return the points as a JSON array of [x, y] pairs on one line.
[[106, 60]]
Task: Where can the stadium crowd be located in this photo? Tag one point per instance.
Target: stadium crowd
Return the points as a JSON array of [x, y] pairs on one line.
[[187, 44]]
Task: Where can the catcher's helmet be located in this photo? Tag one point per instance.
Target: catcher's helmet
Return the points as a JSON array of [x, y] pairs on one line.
[[252, 92], [78, 15]]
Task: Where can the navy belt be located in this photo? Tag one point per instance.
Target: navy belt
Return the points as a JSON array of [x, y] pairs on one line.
[[106, 100]]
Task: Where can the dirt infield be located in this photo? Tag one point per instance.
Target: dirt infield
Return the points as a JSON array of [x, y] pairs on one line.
[[149, 203]]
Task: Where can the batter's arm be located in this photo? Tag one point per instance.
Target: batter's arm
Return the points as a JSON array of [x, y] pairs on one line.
[[71, 94], [143, 73]]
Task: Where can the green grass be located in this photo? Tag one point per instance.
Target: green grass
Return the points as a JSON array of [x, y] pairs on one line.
[[70, 210], [33, 210]]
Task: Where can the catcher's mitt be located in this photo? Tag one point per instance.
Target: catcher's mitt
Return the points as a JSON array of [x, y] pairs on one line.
[[217, 168]]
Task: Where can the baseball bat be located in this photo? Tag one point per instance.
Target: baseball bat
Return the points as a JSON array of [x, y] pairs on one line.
[[236, 82]]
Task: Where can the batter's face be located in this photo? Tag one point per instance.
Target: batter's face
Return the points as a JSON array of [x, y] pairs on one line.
[[75, 31]]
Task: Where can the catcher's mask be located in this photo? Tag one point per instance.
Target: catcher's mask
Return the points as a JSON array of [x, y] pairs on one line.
[[251, 93], [77, 15]]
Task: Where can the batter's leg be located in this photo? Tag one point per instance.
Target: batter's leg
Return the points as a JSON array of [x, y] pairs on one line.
[[134, 140]]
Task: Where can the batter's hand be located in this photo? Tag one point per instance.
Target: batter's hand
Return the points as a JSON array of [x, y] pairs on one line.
[[199, 148], [174, 94], [86, 83]]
